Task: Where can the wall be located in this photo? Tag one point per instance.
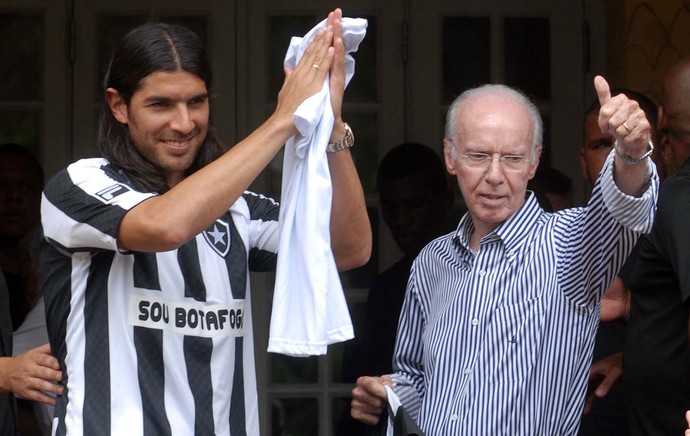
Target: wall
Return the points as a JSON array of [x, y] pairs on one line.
[[644, 39]]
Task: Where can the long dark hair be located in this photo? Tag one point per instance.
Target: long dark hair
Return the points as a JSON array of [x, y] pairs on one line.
[[144, 50]]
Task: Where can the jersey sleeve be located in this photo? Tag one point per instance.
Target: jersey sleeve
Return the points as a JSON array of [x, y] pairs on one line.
[[83, 205], [264, 232]]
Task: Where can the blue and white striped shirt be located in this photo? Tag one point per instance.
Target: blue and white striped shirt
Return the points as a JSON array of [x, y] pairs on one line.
[[499, 341]]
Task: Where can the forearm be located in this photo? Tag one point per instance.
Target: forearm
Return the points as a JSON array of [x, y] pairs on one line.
[[165, 222], [351, 238], [631, 179]]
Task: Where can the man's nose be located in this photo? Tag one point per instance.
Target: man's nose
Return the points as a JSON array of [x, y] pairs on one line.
[[495, 171], [182, 120]]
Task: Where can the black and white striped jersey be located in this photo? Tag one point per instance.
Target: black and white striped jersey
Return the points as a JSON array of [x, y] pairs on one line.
[[150, 343]]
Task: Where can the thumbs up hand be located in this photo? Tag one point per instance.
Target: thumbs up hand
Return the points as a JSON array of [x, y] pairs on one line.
[[624, 119]]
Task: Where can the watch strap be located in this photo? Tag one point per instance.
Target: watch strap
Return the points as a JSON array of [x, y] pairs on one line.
[[346, 141], [631, 160]]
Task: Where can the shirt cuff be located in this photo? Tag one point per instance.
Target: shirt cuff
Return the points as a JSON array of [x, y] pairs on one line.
[[407, 393], [634, 213]]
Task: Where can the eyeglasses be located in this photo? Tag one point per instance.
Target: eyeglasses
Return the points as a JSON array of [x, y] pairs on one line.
[[509, 162]]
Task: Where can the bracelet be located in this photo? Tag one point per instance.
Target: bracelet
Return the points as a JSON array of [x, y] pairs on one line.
[[341, 144], [630, 160]]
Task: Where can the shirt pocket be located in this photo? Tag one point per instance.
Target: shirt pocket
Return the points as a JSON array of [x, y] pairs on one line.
[[514, 334]]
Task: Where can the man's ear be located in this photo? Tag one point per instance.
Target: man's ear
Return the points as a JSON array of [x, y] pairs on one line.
[[664, 147], [450, 162], [117, 105], [666, 152], [660, 119], [534, 165]]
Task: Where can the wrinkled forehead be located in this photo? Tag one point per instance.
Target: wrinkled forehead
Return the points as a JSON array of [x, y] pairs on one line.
[[491, 115]]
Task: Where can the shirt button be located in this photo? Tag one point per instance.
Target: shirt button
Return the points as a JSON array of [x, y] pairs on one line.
[[467, 371], [475, 321], [453, 417], [482, 272]]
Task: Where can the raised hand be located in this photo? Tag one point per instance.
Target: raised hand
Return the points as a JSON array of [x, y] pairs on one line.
[[317, 61], [624, 119], [337, 76]]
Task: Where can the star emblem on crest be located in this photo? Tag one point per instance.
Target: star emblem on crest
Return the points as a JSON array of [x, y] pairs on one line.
[[217, 235]]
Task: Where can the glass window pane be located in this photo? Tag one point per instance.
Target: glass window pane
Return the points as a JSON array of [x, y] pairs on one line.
[[21, 51], [362, 87], [365, 151], [343, 424], [344, 356], [286, 369], [294, 416], [281, 29], [23, 128], [466, 54], [111, 28], [528, 56]]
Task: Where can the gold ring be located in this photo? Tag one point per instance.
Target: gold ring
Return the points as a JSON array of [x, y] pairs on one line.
[[315, 66], [626, 127]]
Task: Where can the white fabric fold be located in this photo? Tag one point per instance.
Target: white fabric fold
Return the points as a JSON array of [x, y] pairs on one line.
[[309, 308], [393, 405]]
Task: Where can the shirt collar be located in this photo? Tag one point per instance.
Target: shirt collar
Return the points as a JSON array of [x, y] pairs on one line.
[[513, 232]]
